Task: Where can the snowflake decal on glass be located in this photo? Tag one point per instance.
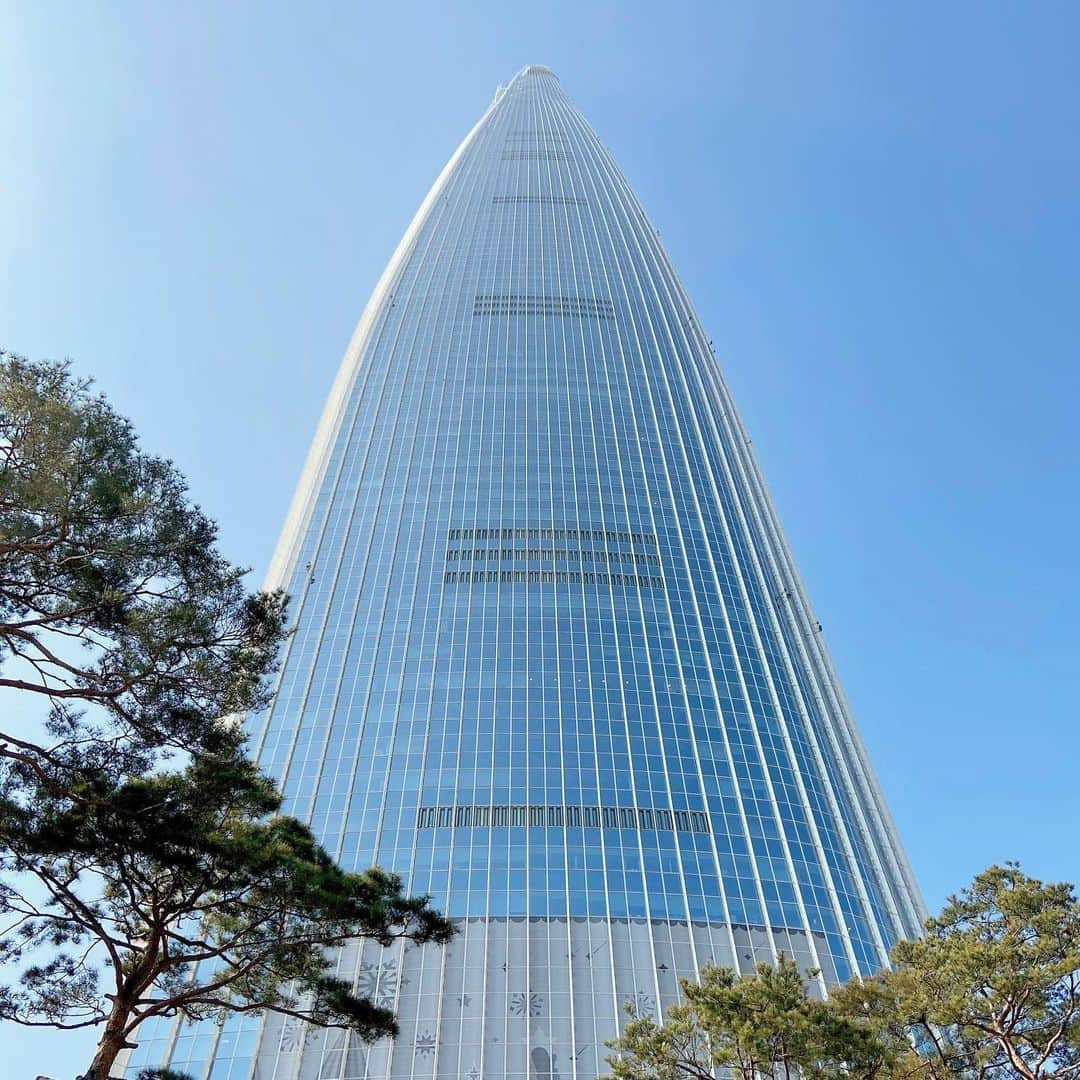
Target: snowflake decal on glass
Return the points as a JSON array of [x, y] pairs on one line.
[[526, 1004], [642, 1003], [425, 1044], [379, 981]]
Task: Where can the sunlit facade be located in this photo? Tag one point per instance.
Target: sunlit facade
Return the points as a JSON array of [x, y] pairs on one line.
[[553, 661]]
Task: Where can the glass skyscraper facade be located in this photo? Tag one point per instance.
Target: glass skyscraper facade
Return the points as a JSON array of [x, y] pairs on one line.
[[553, 661]]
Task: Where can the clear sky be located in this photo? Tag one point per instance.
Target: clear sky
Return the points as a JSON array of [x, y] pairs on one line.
[[874, 206]]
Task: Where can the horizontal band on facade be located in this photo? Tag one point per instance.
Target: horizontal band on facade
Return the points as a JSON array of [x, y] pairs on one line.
[[537, 200], [529, 154], [535, 133], [558, 817], [551, 577], [573, 555], [581, 307], [611, 536]]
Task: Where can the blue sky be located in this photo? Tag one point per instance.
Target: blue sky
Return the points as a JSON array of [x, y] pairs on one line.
[[874, 207]]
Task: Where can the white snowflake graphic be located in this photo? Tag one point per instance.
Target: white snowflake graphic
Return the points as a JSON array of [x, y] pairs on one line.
[[379, 982]]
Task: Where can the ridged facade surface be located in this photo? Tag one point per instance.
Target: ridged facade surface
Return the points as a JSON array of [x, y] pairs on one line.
[[553, 661]]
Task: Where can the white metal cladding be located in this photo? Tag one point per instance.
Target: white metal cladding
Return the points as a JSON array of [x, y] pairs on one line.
[[553, 661]]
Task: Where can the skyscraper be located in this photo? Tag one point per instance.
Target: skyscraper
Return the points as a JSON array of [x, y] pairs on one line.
[[553, 660]]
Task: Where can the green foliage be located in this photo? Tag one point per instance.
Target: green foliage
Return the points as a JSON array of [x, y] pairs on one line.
[[763, 1025], [116, 608], [993, 987], [182, 892], [877, 1043], [127, 892], [992, 990]]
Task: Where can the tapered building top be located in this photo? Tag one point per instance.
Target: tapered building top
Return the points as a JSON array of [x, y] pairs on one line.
[[553, 660]]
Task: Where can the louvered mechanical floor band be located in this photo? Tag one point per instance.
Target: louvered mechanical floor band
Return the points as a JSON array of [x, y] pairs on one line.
[[552, 535], [582, 307], [557, 817]]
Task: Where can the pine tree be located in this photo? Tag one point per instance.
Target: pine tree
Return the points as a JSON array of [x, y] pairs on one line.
[[183, 892]]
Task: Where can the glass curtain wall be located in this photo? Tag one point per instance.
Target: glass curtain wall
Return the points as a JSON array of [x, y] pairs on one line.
[[553, 661]]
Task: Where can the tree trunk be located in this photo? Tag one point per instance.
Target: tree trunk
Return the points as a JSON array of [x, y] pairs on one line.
[[109, 1047]]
